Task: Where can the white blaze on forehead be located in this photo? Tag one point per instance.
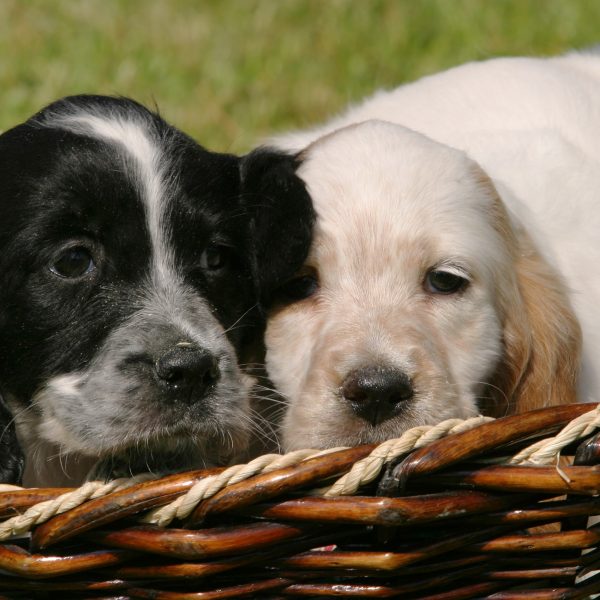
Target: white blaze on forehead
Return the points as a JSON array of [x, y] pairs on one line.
[[134, 138]]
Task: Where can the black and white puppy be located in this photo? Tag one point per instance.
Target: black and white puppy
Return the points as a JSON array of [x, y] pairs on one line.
[[133, 266]]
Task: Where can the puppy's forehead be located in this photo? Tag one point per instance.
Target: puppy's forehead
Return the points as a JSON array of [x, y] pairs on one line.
[[376, 184], [134, 138], [140, 143]]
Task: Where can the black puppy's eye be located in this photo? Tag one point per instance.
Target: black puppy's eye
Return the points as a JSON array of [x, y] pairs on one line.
[[73, 262], [444, 282], [300, 287], [215, 257]]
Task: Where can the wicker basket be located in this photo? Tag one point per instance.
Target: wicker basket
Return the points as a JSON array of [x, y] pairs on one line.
[[484, 510]]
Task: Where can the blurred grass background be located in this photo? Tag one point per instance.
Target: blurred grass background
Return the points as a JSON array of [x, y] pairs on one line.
[[231, 72]]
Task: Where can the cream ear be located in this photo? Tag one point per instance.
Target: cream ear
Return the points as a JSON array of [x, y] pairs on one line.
[[542, 338]]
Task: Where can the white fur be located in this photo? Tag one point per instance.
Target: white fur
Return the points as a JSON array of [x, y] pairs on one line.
[[392, 203], [146, 158]]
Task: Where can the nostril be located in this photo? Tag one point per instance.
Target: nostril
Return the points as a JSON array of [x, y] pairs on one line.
[[188, 366], [377, 393], [399, 388], [353, 389]]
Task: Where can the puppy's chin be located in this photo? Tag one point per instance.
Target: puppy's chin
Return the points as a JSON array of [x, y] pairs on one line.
[[152, 434], [170, 456]]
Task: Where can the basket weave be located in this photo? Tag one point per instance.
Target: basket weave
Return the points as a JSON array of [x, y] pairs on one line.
[[459, 517]]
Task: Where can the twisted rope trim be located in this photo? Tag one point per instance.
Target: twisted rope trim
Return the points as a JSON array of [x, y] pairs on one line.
[[548, 450], [43, 511], [366, 470], [362, 472], [209, 486]]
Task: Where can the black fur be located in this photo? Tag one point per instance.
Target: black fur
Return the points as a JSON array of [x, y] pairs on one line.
[[282, 222], [11, 457], [58, 185]]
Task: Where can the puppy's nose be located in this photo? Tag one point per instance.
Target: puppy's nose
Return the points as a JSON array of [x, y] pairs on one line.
[[376, 393], [188, 369]]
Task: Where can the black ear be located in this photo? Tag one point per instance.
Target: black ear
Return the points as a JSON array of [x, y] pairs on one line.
[[281, 218], [11, 457]]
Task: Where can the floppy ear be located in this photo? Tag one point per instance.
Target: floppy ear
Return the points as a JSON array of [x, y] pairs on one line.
[[542, 338], [11, 457], [281, 218]]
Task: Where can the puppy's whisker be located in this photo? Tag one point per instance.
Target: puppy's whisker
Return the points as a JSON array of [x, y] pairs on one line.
[[486, 384], [264, 429], [18, 414], [233, 325], [270, 390], [63, 459], [258, 418], [270, 401]]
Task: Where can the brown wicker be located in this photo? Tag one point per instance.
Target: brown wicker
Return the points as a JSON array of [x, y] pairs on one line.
[[451, 520]]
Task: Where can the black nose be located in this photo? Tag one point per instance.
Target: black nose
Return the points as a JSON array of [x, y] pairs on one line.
[[188, 369], [377, 393]]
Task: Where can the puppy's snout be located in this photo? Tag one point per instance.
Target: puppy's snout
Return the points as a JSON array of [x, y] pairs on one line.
[[376, 393], [188, 369]]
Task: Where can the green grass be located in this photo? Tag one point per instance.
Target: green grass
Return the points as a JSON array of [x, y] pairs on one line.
[[230, 72]]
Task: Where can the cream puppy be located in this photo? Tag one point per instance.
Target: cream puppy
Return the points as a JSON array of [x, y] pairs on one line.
[[454, 260]]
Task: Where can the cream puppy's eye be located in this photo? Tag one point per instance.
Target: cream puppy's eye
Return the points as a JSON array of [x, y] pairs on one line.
[[73, 262], [303, 286], [444, 282]]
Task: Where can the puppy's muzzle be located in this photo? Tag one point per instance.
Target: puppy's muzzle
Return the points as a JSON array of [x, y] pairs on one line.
[[377, 394], [187, 371]]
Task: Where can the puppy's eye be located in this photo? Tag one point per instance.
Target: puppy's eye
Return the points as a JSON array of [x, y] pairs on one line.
[[443, 282], [300, 287], [73, 262], [215, 257]]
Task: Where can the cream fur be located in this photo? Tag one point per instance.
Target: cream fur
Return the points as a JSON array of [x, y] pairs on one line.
[[493, 168]]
